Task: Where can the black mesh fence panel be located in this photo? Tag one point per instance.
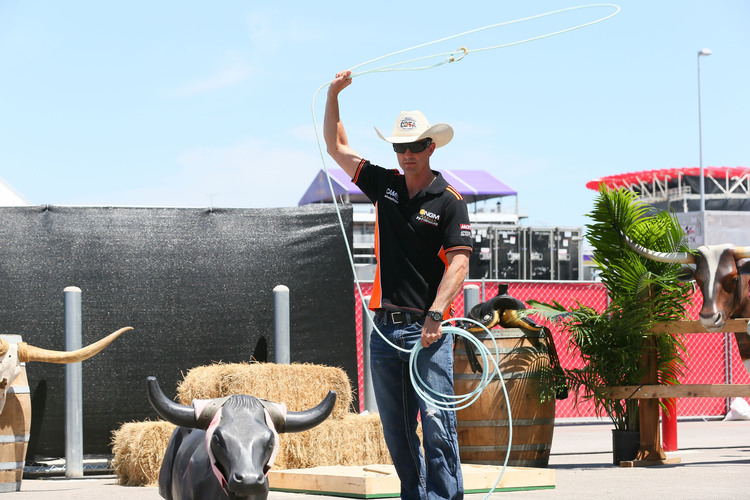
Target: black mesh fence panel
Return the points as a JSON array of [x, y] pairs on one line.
[[196, 284]]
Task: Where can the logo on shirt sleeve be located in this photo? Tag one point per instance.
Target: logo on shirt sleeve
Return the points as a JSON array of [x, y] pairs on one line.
[[466, 230]]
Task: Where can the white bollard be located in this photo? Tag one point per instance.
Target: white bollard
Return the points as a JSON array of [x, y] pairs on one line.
[[73, 386], [471, 298], [281, 349], [369, 392]]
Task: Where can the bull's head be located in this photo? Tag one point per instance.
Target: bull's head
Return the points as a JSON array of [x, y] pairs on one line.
[[12, 355], [241, 433], [719, 274]]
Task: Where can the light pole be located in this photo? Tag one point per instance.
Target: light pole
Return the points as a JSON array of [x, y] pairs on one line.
[[702, 52], [727, 365]]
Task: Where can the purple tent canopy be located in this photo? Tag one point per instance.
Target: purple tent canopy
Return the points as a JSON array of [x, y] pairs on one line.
[[474, 185]]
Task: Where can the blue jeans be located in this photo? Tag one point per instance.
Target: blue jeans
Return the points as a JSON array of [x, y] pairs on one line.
[[437, 475]]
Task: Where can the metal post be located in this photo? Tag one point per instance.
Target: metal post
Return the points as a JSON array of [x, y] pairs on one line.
[[494, 253], [702, 183], [704, 222], [73, 386], [471, 298], [281, 350], [369, 392], [703, 52]]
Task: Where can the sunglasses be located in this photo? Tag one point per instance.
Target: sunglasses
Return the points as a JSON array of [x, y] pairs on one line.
[[414, 147]]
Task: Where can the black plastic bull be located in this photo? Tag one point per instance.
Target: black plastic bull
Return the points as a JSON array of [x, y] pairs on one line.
[[223, 448]]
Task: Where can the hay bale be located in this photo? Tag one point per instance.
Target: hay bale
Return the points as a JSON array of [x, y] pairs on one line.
[[343, 439], [300, 385], [138, 449], [352, 440]]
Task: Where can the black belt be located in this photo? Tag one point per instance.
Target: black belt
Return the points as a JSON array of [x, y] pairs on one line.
[[399, 317]]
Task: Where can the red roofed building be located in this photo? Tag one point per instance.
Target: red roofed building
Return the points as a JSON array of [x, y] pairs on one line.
[[726, 198]]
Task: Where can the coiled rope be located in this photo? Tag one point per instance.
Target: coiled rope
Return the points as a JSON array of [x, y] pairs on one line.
[[440, 401]]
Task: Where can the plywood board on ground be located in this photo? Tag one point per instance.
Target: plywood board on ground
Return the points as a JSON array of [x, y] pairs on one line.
[[381, 481]]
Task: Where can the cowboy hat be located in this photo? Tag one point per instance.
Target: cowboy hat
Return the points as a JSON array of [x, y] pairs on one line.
[[412, 126]]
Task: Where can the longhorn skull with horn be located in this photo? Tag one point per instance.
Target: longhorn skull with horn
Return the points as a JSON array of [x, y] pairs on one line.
[[12, 355], [719, 273]]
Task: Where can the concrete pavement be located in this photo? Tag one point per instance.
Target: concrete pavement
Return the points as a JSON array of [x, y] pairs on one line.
[[715, 464]]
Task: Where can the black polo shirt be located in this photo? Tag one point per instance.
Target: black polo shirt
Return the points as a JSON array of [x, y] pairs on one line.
[[412, 236]]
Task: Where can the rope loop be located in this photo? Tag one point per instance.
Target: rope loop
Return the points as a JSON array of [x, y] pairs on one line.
[[461, 401], [464, 53]]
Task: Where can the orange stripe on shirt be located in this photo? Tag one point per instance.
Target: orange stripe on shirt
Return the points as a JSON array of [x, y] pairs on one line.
[[455, 193], [444, 257], [359, 168], [376, 297], [461, 247]]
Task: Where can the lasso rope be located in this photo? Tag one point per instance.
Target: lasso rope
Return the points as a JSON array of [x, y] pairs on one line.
[[444, 401], [462, 52]]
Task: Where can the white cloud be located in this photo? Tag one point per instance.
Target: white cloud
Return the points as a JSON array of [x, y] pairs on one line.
[[474, 128], [250, 174], [267, 39], [232, 72], [306, 133], [269, 32]]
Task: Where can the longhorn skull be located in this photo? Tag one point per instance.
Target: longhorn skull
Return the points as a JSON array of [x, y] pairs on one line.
[[719, 274], [12, 355]]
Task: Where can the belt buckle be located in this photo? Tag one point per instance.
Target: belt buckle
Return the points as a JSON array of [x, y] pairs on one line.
[[396, 317]]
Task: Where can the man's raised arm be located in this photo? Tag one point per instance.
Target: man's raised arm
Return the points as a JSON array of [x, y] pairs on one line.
[[334, 134]]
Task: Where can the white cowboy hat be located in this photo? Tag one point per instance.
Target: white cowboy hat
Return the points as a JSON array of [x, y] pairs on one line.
[[412, 126]]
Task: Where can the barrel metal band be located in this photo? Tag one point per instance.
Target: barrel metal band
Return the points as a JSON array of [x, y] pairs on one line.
[[510, 350], [509, 335], [515, 447], [537, 463], [18, 389], [11, 465], [14, 438], [11, 486], [506, 375], [505, 422]]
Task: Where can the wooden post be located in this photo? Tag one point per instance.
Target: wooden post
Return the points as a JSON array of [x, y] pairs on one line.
[[651, 451], [648, 409]]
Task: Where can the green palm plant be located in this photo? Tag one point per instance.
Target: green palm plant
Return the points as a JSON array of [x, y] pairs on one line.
[[641, 293]]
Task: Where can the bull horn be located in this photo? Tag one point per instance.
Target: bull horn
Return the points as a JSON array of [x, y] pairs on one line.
[[298, 421], [668, 258], [167, 409], [4, 346], [28, 352], [742, 252]]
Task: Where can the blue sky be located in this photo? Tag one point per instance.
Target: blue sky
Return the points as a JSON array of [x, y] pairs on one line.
[[186, 103]]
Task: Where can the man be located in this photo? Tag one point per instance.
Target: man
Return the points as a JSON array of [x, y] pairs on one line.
[[423, 243]]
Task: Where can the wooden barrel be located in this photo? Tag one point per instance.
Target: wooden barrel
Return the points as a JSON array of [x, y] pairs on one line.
[[15, 426], [483, 427]]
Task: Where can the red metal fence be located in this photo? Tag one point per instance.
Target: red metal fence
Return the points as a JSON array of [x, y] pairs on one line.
[[706, 351]]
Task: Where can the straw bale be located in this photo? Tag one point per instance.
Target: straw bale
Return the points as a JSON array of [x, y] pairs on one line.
[[138, 449], [352, 440], [300, 385]]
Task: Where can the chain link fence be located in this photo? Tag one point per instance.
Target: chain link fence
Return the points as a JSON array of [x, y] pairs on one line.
[[706, 360]]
